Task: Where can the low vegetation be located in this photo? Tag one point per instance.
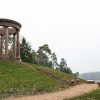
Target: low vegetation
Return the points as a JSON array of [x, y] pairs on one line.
[[17, 79], [94, 95]]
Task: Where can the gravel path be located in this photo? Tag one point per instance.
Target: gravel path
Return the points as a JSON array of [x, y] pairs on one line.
[[60, 95]]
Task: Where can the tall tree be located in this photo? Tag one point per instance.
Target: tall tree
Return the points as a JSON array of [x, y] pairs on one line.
[[43, 55], [54, 61], [25, 51], [76, 74], [63, 67], [32, 57], [63, 63]]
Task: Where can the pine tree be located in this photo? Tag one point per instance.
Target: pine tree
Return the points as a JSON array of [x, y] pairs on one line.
[[76, 74], [63, 63], [32, 57], [63, 67], [26, 51]]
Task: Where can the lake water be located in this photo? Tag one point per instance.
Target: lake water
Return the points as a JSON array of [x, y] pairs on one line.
[[97, 81]]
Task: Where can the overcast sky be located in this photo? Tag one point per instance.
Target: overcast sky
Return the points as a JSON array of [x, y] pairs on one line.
[[71, 28]]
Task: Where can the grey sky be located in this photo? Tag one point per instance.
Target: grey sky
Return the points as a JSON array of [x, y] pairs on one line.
[[70, 27]]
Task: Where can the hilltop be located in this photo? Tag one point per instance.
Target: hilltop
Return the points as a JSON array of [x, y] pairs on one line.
[[17, 79]]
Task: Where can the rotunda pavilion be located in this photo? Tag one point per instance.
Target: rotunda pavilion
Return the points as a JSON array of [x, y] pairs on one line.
[[9, 28]]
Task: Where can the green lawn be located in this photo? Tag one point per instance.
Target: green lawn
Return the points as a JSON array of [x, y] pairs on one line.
[[94, 95], [17, 79]]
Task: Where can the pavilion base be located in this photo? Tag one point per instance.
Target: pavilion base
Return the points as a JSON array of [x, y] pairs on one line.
[[4, 58], [18, 59]]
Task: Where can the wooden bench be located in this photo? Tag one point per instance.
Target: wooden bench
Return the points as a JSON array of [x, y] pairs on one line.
[[73, 82], [98, 84], [77, 81], [90, 81]]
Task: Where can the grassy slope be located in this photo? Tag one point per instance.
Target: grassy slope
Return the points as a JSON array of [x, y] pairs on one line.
[[17, 79], [94, 95], [56, 72]]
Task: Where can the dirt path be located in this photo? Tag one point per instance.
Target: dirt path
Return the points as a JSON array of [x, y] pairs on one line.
[[60, 95]]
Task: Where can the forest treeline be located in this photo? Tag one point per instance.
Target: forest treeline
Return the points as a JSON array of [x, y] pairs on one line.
[[43, 56]]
